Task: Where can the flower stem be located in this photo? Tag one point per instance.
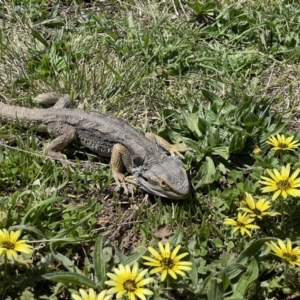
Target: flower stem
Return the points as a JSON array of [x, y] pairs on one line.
[[168, 282], [5, 267], [285, 272], [283, 227]]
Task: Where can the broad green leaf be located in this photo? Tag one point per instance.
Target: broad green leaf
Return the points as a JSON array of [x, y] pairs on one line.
[[193, 273], [167, 113], [67, 263], [130, 260], [192, 121], [236, 296], [206, 174], [237, 142], [197, 7], [252, 250], [38, 232], [39, 37], [99, 262], [215, 289], [221, 151], [177, 239], [119, 253], [251, 120], [207, 281], [213, 137], [226, 109], [248, 278], [39, 208], [94, 209], [70, 278], [211, 97], [233, 270], [203, 8]]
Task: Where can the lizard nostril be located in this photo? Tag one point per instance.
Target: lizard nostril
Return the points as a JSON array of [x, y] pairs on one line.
[[163, 183]]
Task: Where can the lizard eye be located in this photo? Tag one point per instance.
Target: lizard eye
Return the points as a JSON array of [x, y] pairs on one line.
[[163, 183]]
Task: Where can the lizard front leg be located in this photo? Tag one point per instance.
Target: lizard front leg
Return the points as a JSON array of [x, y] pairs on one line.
[[120, 160], [162, 143]]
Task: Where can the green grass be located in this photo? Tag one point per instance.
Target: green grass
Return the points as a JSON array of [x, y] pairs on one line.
[[218, 76]]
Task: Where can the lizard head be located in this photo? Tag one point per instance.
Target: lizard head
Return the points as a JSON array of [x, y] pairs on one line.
[[167, 178]]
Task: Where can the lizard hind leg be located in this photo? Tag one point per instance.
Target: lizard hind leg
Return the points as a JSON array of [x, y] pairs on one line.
[[55, 99], [64, 134], [162, 143], [120, 160]]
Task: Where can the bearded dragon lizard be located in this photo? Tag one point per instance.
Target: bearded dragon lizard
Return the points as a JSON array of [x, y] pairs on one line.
[[140, 155]]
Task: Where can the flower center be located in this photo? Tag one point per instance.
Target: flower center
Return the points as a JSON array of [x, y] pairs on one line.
[[256, 211], [130, 285], [8, 245], [283, 185], [167, 263], [240, 224], [290, 257], [283, 145]]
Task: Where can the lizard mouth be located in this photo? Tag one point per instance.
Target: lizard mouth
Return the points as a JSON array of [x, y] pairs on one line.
[[151, 186]]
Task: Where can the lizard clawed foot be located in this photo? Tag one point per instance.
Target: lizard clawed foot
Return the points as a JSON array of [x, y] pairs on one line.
[[176, 150], [172, 149], [121, 181]]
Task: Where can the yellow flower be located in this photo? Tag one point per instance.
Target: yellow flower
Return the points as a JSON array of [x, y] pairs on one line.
[[242, 224], [9, 244], [256, 150], [129, 281], [280, 142], [281, 183], [91, 295], [258, 209], [286, 252], [167, 262]]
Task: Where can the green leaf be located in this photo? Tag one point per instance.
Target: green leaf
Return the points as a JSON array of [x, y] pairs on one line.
[[194, 273], [37, 212], [251, 120], [221, 151], [211, 97], [117, 75], [38, 232], [202, 125], [236, 296], [134, 257], [247, 279], [237, 142], [99, 262], [38, 37], [252, 250], [70, 278], [177, 238], [94, 209], [233, 270], [167, 113], [120, 254], [215, 289], [206, 281], [206, 174], [67, 263], [192, 122]]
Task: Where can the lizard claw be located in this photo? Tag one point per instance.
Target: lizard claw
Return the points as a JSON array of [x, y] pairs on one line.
[[130, 179], [176, 150]]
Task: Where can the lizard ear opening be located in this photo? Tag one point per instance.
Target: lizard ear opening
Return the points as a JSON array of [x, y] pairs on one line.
[[163, 183], [137, 161]]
